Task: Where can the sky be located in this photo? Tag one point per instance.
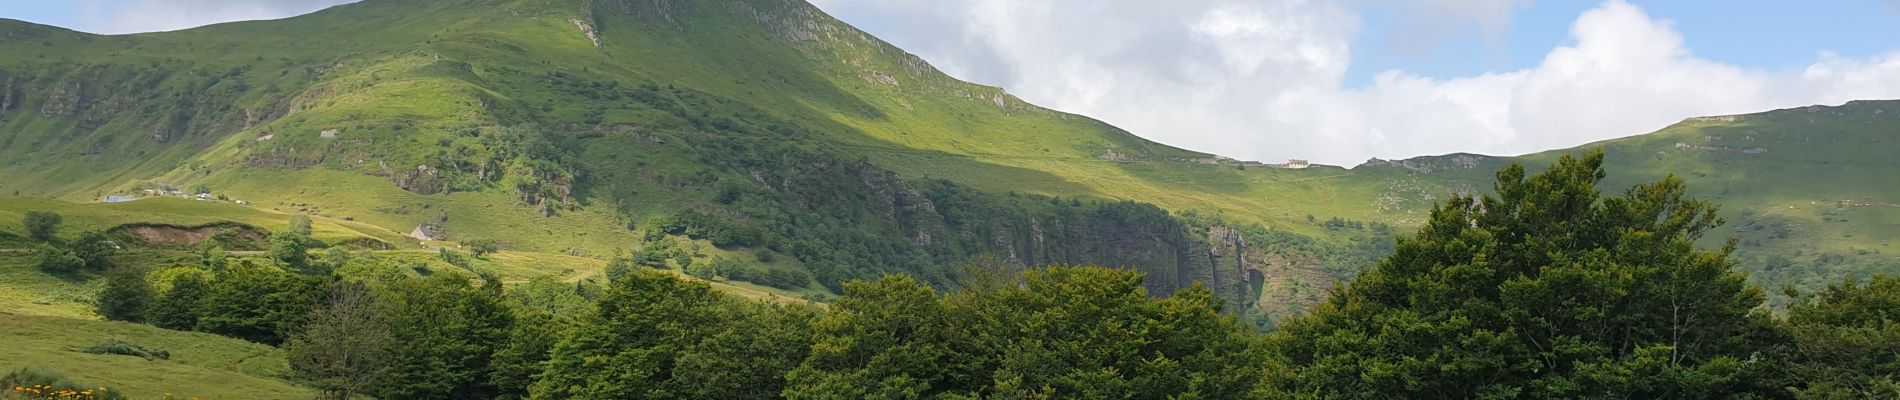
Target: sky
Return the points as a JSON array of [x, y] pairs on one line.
[[1335, 82]]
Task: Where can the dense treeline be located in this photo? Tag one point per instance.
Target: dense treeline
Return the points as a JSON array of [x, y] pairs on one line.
[[1544, 290]]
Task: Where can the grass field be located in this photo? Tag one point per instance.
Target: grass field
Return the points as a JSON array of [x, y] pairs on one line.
[[201, 365]]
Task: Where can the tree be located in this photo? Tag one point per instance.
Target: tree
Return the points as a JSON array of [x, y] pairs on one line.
[[211, 255], [57, 260], [345, 347], [1543, 290], [655, 336], [448, 331], [125, 296], [94, 248], [334, 259], [1847, 342], [651, 257], [289, 251], [41, 225], [1066, 332], [619, 267], [483, 247], [300, 225], [259, 304], [176, 307], [526, 353]]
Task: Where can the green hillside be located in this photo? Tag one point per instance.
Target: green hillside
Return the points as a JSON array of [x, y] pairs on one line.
[[197, 364], [1802, 189], [773, 134]]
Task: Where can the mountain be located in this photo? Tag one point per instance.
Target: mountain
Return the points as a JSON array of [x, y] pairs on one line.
[[772, 133]]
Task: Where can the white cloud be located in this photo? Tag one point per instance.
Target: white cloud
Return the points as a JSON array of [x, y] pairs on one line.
[[134, 16], [1263, 79]]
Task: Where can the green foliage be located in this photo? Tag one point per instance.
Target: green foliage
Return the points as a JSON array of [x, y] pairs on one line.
[[290, 251], [658, 337], [619, 267], [547, 295], [259, 304], [1081, 332], [41, 225], [124, 348], [483, 247], [57, 259], [126, 295], [774, 277], [447, 333], [334, 259], [721, 232], [713, 269], [94, 248], [300, 225], [1847, 342], [177, 306], [345, 347], [1544, 290], [47, 382], [652, 257], [455, 258], [515, 365], [212, 256]]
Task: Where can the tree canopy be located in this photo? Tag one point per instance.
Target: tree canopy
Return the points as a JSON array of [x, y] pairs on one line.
[[1542, 290]]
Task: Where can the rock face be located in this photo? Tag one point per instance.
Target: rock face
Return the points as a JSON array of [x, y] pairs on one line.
[[1430, 164], [588, 30], [62, 99], [956, 227]]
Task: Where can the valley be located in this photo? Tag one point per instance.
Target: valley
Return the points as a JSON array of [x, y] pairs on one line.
[[758, 147]]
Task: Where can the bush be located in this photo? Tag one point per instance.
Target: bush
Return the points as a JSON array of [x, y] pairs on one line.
[[483, 247], [124, 348], [778, 278], [176, 307], [57, 260], [41, 383], [290, 251], [455, 258], [41, 225], [93, 248], [126, 295], [300, 225]]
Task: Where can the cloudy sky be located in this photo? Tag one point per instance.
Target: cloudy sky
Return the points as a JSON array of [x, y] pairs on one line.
[[1332, 81]]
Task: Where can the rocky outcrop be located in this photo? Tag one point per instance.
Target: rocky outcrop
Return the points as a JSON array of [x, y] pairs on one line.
[[62, 99], [1430, 164], [1719, 149], [7, 93], [587, 29]]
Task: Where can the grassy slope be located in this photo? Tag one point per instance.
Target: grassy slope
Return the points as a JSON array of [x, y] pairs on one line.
[[402, 78], [201, 365], [1802, 189]]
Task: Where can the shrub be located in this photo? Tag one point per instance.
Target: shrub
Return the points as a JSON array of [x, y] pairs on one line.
[[483, 247], [176, 307], [93, 248], [34, 382], [455, 258], [124, 348], [300, 225], [126, 295], [57, 260], [41, 225], [290, 251]]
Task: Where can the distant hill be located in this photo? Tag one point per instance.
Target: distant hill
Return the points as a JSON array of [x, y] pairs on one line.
[[774, 131]]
